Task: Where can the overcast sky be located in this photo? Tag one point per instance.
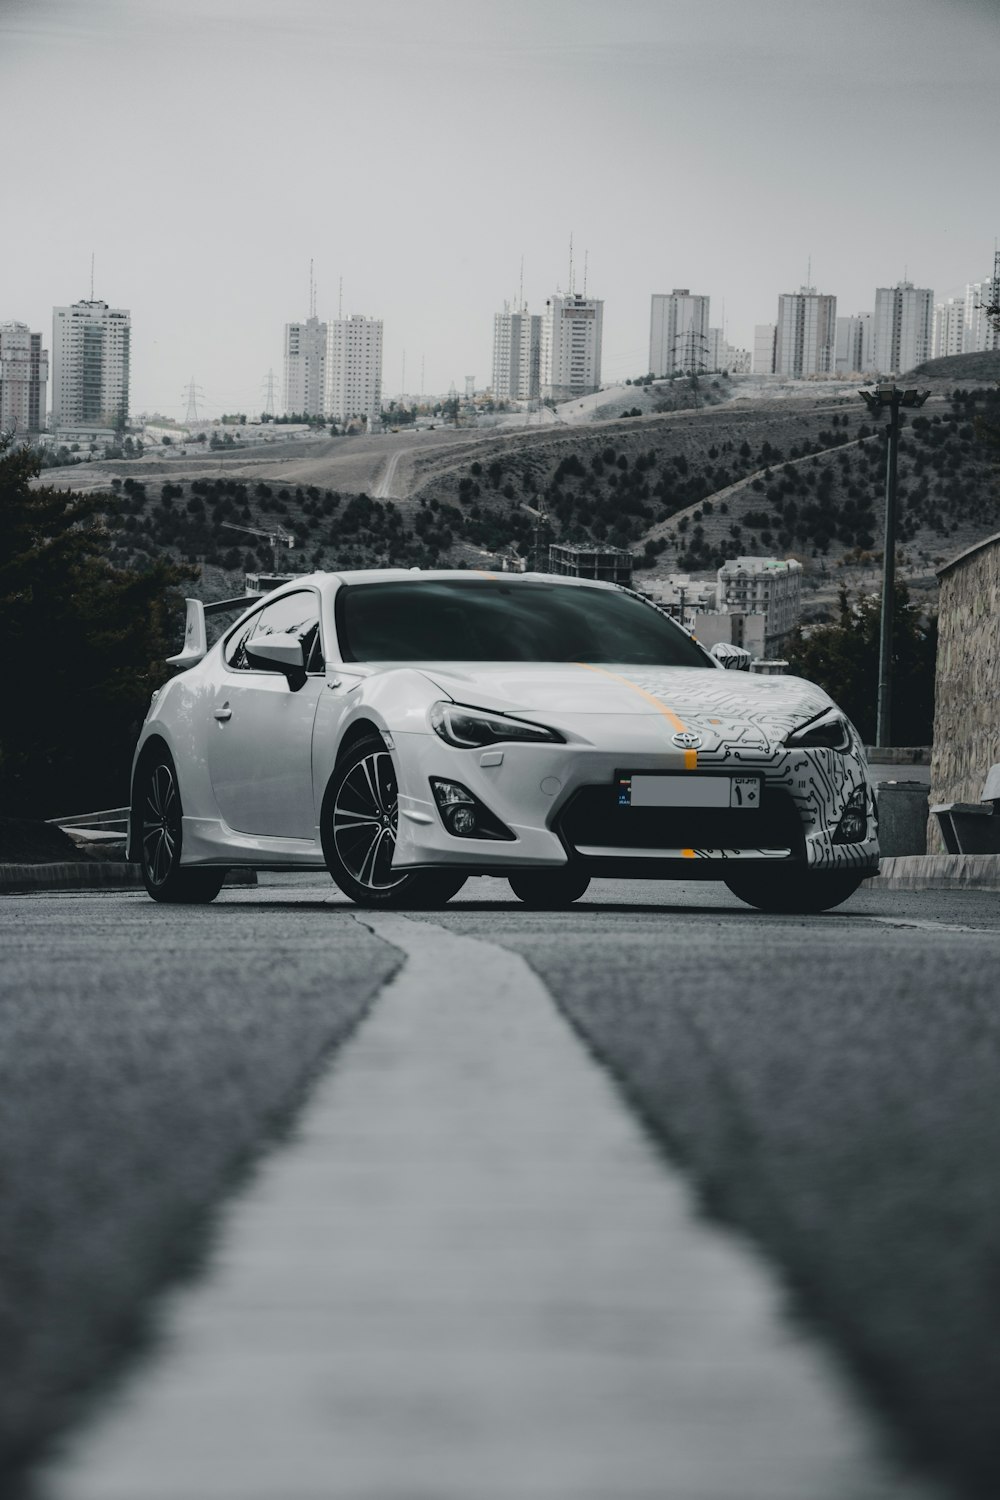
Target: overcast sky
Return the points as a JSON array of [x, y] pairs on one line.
[[205, 150]]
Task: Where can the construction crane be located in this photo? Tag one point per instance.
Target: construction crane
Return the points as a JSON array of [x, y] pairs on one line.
[[277, 537], [542, 530]]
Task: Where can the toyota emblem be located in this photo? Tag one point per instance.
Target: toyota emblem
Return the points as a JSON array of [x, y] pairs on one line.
[[686, 740]]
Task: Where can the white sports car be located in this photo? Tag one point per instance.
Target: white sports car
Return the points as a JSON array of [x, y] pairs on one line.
[[406, 730]]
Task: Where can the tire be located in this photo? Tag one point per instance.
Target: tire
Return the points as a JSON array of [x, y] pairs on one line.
[[549, 890], [358, 824], [158, 809], [794, 890]]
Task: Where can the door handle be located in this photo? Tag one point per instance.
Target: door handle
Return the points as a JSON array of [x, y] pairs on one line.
[[223, 713]]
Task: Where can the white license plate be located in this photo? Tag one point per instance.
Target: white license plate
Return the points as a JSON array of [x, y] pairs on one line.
[[689, 790]]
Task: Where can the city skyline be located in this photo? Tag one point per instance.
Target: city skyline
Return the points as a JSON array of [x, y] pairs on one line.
[[717, 145]]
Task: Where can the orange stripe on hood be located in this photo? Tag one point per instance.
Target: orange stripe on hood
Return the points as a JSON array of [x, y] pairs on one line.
[[690, 756]]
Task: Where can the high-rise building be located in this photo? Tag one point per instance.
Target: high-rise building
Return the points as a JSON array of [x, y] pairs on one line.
[[721, 355], [854, 345], [24, 374], [948, 330], [904, 321], [678, 333], [90, 365], [980, 332], [763, 348], [806, 336], [354, 368], [305, 367], [570, 360], [517, 341]]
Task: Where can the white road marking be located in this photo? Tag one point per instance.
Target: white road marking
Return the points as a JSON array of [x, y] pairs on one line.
[[472, 1277]]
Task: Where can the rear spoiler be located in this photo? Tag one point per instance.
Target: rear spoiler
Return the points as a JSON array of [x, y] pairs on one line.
[[195, 634]]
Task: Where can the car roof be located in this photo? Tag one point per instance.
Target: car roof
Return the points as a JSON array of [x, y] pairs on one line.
[[349, 576]]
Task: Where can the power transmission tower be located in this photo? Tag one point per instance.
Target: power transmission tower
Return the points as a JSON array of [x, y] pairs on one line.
[[269, 385], [191, 396], [693, 348]]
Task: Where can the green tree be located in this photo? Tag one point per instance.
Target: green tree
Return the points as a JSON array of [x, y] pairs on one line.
[[84, 644], [843, 658]]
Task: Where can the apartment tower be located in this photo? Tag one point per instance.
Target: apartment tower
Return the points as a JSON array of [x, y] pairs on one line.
[[948, 329], [90, 365], [570, 360], [854, 345], [517, 347], [24, 374], [904, 326], [678, 333], [305, 367], [763, 348], [354, 369], [806, 335], [981, 332]]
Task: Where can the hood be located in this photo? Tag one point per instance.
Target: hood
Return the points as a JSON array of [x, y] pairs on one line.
[[712, 702]]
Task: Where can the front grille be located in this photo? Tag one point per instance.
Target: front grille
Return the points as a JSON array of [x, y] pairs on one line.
[[593, 819]]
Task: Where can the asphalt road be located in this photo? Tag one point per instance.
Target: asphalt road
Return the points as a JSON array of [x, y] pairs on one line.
[[828, 1086]]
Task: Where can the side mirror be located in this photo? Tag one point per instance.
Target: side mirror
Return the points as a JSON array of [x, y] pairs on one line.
[[279, 653], [733, 658]]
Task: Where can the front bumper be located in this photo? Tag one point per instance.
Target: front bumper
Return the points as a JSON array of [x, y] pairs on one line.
[[534, 788]]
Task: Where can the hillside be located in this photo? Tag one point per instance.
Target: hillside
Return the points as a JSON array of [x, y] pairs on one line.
[[687, 493], [981, 369], [801, 473]]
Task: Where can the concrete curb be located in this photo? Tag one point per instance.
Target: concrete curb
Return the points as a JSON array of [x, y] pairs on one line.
[[938, 872], [85, 874], [70, 875]]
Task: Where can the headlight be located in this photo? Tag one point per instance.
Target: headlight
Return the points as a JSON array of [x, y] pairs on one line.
[[471, 727], [828, 731]]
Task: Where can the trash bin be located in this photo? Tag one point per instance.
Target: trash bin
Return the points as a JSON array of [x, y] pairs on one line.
[[902, 817]]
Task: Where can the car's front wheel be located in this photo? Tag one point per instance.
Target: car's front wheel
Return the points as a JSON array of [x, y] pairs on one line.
[[548, 890], [158, 808], [794, 890], [358, 823]]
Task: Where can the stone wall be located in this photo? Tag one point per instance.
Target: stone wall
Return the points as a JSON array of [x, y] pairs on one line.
[[967, 693]]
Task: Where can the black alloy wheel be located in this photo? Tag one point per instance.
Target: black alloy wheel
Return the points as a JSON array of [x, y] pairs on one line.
[[158, 808], [358, 822], [548, 890], [794, 890]]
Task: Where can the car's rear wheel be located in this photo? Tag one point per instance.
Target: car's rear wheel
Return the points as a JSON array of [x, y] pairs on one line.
[[794, 890], [548, 890], [158, 808], [358, 823]]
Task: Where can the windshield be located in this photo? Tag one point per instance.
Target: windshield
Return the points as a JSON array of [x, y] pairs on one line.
[[480, 619]]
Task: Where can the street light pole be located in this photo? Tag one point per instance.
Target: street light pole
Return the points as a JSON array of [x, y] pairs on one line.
[[888, 396]]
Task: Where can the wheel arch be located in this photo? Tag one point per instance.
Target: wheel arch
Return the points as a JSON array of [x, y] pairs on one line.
[[154, 745], [359, 729]]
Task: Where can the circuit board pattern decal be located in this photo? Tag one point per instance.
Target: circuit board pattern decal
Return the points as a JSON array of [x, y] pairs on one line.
[[743, 723]]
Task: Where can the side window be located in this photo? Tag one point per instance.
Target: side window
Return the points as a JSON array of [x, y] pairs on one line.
[[294, 614], [235, 652]]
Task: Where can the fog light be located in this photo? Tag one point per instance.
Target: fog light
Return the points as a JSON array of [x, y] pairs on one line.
[[461, 820], [463, 815], [853, 825]]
